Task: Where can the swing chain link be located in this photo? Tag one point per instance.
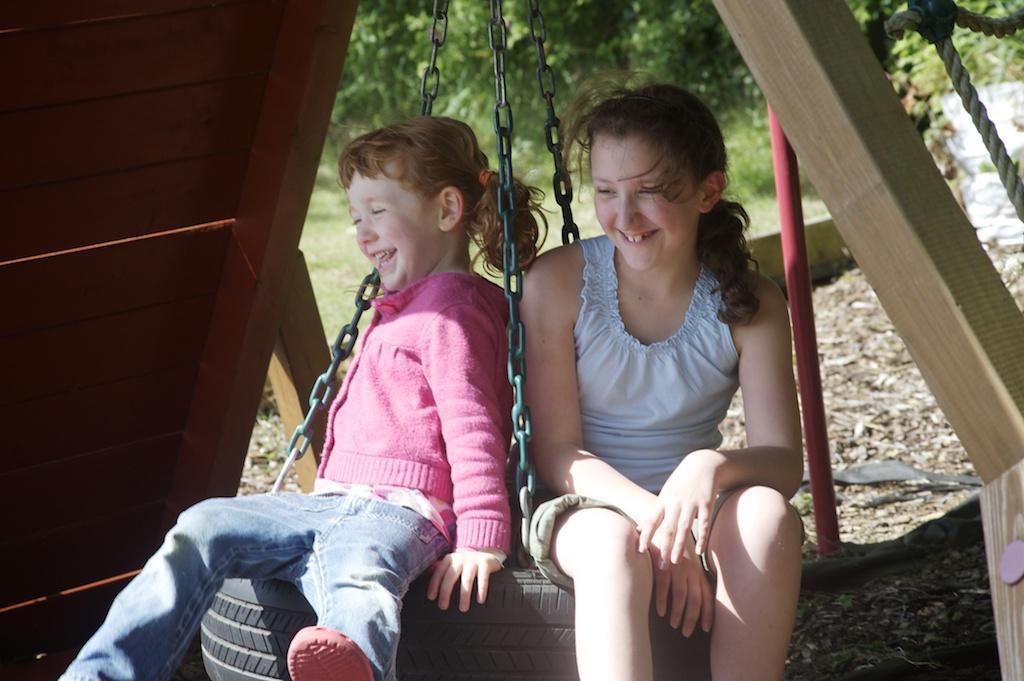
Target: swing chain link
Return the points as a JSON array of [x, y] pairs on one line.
[[561, 181], [431, 74], [323, 389], [513, 274]]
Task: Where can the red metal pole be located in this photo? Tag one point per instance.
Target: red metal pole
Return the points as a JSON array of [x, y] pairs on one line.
[[801, 310]]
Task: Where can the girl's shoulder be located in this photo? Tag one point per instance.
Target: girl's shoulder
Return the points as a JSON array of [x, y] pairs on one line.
[[555, 279], [771, 300], [772, 316], [560, 266]]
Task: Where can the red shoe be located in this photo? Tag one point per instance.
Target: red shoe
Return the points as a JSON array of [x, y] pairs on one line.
[[322, 654]]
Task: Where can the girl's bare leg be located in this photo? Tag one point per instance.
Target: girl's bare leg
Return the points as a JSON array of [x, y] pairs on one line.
[[613, 581], [755, 550]]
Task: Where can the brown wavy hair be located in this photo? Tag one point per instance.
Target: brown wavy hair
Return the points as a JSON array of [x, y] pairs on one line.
[[677, 121], [432, 153]]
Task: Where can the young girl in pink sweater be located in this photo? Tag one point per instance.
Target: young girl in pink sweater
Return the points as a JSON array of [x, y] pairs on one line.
[[412, 471]]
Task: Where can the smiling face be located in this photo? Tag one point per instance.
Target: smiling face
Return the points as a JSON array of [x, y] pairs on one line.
[[404, 235], [649, 229]]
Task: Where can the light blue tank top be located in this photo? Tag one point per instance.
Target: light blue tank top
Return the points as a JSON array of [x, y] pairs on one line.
[[644, 407]]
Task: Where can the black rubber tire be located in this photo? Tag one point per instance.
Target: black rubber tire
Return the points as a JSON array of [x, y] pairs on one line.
[[524, 632], [246, 632]]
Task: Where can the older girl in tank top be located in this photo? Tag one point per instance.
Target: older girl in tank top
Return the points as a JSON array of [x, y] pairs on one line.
[[637, 341]]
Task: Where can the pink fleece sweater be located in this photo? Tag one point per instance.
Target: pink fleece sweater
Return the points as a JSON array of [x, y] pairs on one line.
[[426, 403]]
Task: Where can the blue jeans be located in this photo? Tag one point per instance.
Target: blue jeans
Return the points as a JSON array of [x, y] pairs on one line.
[[352, 557]]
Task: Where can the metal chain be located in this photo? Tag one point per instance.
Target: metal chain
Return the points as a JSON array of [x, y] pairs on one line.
[[560, 181], [431, 74], [522, 430], [323, 389]]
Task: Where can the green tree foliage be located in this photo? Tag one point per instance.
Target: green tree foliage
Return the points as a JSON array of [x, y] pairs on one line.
[[681, 41], [914, 66]]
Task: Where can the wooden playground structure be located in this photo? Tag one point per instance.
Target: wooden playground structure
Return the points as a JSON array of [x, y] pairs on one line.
[[158, 161]]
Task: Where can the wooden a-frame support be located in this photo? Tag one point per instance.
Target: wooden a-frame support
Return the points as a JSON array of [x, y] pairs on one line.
[[301, 354], [914, 244]]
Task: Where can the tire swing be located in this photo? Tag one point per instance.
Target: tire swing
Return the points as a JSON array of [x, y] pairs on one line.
[[525, 630]]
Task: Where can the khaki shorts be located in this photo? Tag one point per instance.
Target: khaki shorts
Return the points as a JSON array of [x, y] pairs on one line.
[[542, 529]]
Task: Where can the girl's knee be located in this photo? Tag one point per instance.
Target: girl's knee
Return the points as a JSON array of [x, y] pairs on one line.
[[758, 516], [202, 522], [200, 515], [598, 542]]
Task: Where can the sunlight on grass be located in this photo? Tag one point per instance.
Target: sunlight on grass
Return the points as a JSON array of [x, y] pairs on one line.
[[328, 242]]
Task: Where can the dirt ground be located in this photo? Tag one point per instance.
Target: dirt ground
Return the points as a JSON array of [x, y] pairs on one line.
[[892, 603]]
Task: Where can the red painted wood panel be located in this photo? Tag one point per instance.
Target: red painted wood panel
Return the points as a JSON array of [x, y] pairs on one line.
[[78, 554], [35, 14], [60, 359], [61, 427], [108, 135], [28, 631], [284, 160], [214, 384], [65, 215], [50, 291], [87, 487], [286, 151], [96, 60]]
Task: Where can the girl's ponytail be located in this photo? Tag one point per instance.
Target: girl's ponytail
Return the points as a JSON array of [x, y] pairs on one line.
[[487, 228], [722, 246]]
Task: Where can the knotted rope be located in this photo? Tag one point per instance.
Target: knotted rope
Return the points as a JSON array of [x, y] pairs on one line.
[[998, 27], [939, 34]]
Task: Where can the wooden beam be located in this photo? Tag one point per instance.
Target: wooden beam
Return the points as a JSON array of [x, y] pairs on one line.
[[827, 254], [1002, 501], [912, 240], [896, 214], [286, 150], [301, 354]]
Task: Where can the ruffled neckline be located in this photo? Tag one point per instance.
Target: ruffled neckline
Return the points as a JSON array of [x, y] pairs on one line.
[[603, 276]]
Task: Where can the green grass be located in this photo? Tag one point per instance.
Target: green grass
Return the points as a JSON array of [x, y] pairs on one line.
[[336, 267], [751, 177]]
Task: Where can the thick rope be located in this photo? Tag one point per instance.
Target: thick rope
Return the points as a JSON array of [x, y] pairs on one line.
[[911, 20], [972, 104], [979, 23], [901, 22], [999, 27]]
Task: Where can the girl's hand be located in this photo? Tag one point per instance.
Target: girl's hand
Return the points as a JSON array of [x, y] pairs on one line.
[[688, 494], [462, 567], [692, 599]]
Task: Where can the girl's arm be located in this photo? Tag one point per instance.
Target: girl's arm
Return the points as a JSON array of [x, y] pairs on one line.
[[460, 348], [459, 354], [773, 455], [550, 305]]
